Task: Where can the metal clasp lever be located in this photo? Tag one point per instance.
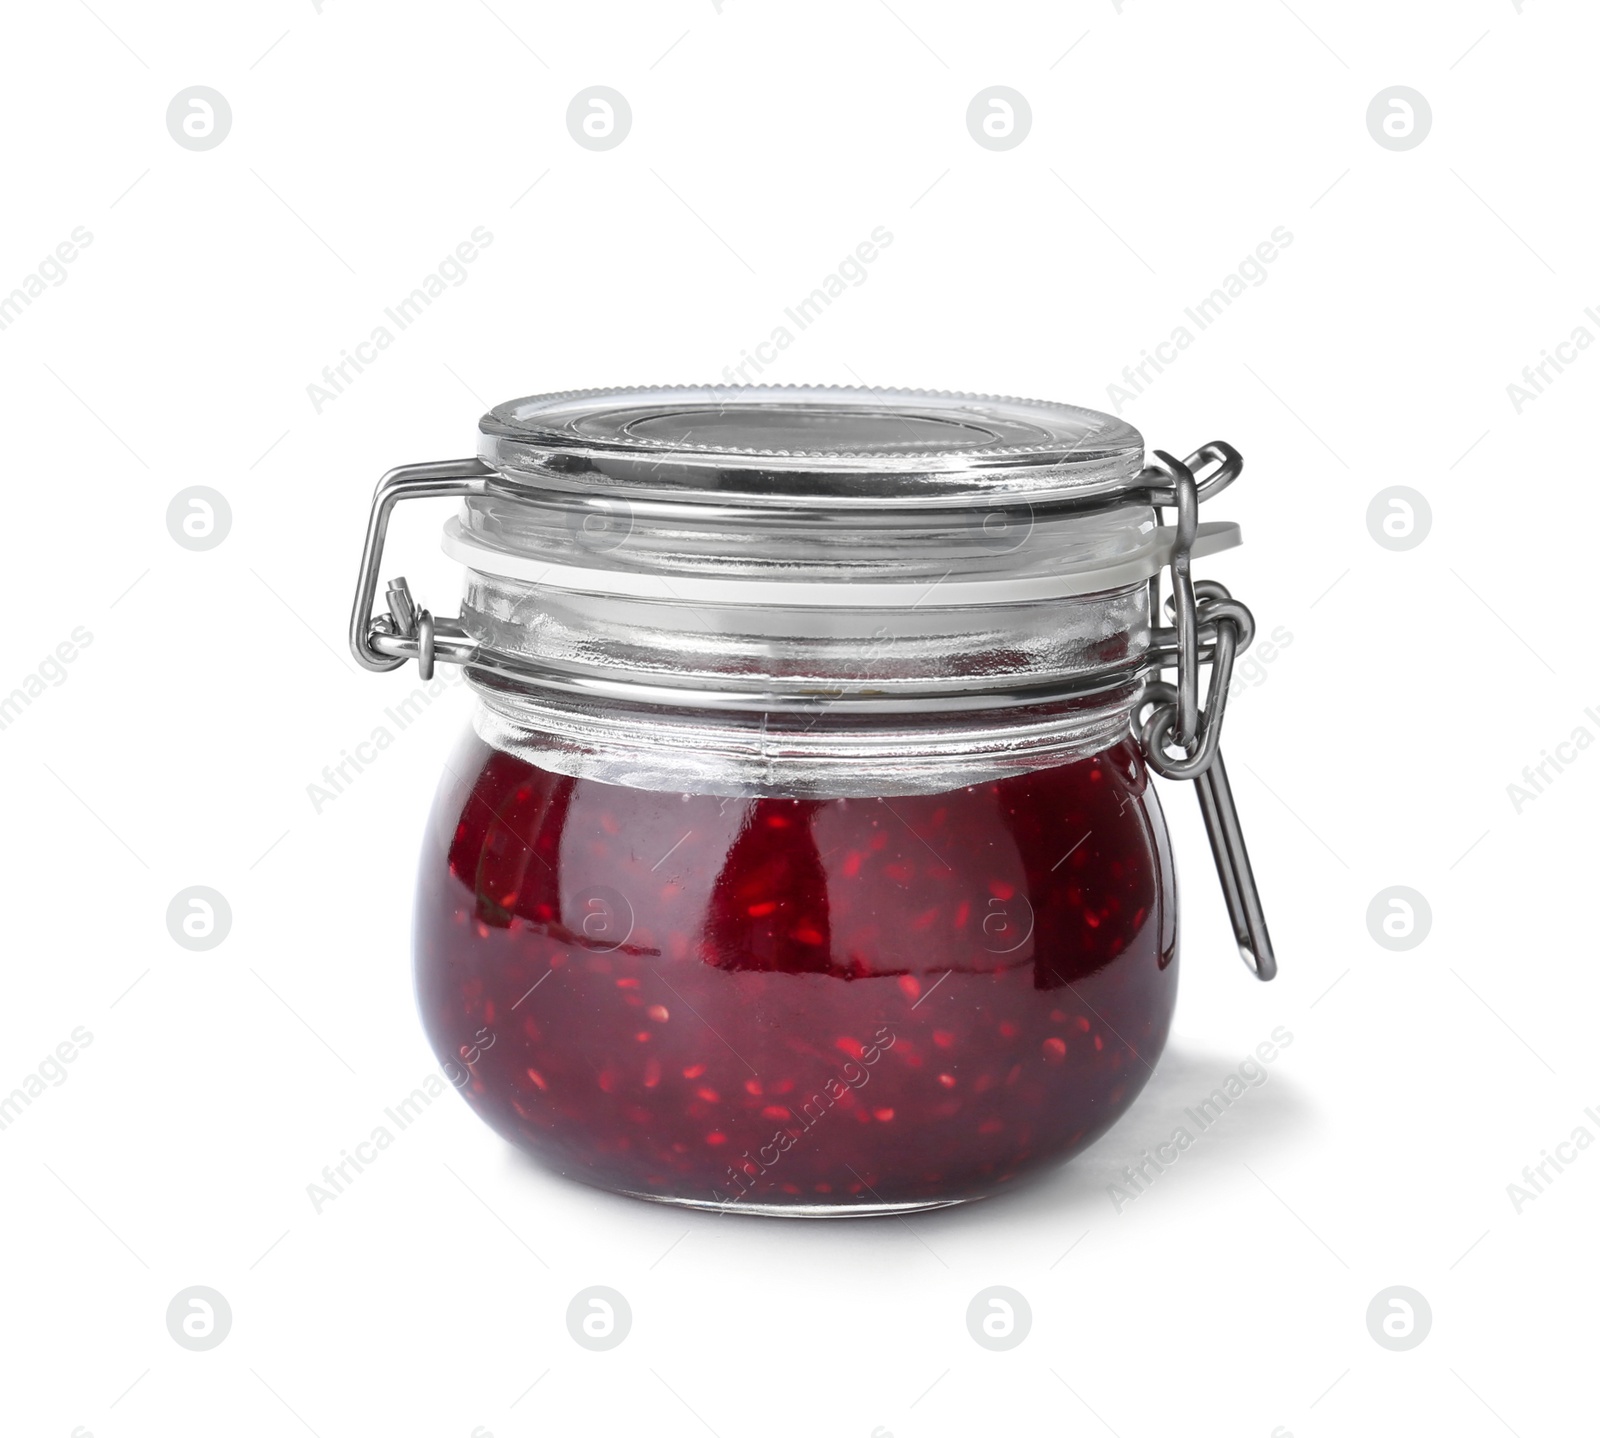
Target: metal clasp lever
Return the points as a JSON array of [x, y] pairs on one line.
[[1209, 625], [384, 642], [1233, 869]]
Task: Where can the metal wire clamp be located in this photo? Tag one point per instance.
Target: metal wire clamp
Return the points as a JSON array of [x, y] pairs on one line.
[[384, 642], [1209, 626]]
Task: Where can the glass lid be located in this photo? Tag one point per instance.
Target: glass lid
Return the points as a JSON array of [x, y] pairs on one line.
[[810, 446]]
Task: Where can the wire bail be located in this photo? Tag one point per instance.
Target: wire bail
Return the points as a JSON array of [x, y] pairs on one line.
[[1209, 627]]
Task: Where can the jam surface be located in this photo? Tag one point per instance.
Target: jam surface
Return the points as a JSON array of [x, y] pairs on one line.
[[847, 1004]]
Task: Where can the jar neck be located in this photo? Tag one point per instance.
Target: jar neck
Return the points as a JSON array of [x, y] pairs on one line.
[[821, 754], [768, 658], [840, 701]]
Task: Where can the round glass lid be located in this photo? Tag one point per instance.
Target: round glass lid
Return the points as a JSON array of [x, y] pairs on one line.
[[810, 446]]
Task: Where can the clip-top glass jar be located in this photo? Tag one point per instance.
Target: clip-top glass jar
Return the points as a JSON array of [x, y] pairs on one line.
[[803, 858]]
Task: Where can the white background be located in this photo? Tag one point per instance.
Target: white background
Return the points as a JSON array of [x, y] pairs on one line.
[[1167, 141]]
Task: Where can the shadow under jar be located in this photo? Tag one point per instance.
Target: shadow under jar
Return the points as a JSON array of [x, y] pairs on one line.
[[803, 857]]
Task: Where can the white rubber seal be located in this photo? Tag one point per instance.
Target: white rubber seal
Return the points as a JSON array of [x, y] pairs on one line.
[[1126, 570]]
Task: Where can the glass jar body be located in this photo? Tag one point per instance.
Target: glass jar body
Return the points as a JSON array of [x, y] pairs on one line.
[[816, 1005]]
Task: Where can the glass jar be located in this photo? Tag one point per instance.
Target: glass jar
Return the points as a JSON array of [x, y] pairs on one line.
[[803, 857]]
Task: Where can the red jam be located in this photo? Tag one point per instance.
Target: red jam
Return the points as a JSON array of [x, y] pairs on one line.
[[840, 1004]]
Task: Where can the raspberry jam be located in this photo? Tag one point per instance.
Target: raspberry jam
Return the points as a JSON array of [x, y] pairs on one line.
[[798, 1005], [802, 858]]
